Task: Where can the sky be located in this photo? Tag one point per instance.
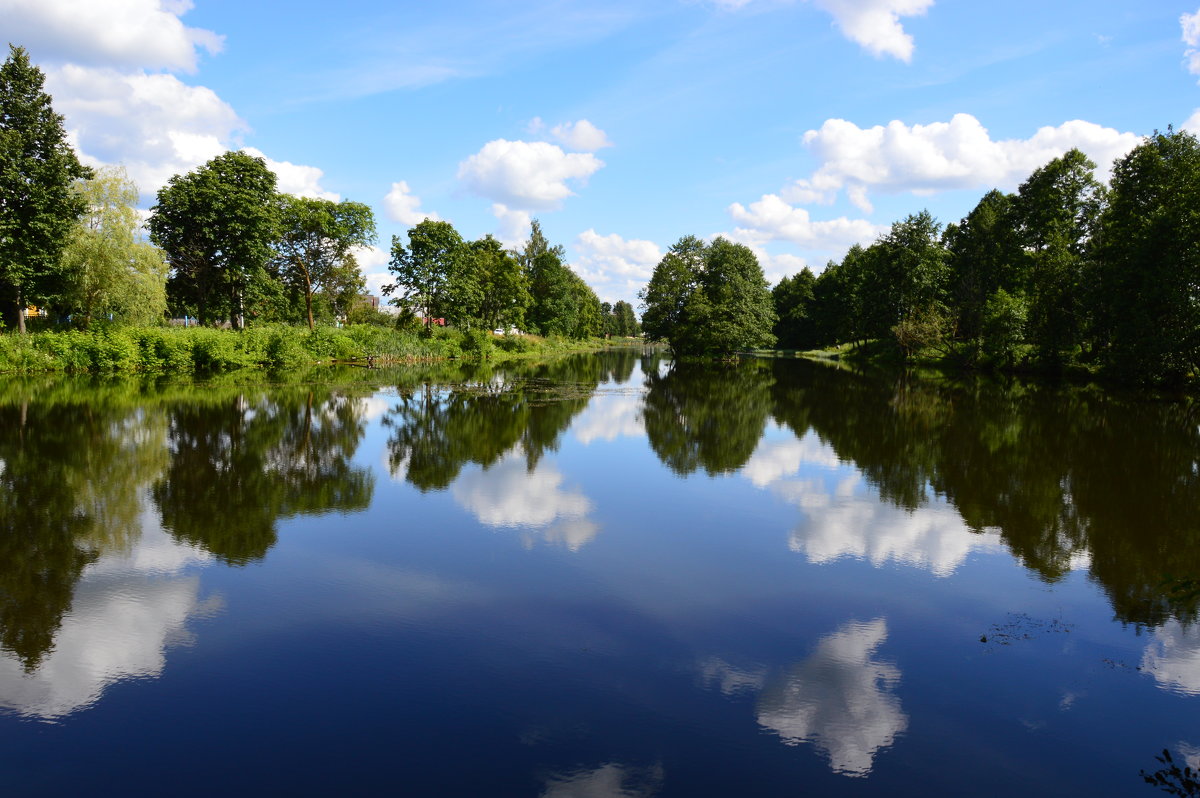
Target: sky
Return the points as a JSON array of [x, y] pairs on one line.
[[796, 127]]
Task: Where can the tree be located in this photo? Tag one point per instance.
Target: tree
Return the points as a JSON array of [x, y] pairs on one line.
[[709, 299], [985, 257], [432, 272], [1057, 211], [107, 270], [625, 322], [1149, 260], [315, 241], [504, 295], [906, 273], [37, 168], [217, 225], [674, 280], [793, 298]]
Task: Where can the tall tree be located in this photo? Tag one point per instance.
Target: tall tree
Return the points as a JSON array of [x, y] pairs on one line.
[[626, 320], [1149, 287], [504, 295], [432, 272], [907, 273], [216, 225], [37, 168], [793, 298], [315, 240], [709, 299], [985, 257], [107, 270], [1057, 211]]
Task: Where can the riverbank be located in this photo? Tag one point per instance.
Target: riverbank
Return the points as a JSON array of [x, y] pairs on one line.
[[204, 350]]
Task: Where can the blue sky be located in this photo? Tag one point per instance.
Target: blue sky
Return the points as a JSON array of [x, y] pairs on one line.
[[797, 127]]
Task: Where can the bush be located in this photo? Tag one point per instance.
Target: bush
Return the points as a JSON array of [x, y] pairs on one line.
[[478, 344]]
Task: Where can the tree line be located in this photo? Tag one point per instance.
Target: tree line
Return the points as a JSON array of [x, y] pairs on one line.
[[1064, 272], [226, 247]]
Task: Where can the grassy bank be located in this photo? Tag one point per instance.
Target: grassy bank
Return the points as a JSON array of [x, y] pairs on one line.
[[202, 350]]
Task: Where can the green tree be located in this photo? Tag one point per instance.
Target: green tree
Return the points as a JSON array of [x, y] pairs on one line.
[[1149, 260], [793, 298], [216, 225], [315, 240], [1057, 212], [625, 321], [107, 270], [37, 207], [433, 273], [906, 274], [709, 299], [504, 295], [985, 257]]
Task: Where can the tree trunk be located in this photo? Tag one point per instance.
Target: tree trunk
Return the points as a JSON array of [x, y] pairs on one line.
[[308, 301], [20, 311]]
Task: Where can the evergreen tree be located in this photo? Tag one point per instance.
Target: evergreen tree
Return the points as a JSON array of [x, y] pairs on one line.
[[37, 207]]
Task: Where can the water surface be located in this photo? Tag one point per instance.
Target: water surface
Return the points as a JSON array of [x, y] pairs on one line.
[[596, 576]]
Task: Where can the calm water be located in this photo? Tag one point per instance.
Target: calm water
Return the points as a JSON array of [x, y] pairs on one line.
[[603, 576]]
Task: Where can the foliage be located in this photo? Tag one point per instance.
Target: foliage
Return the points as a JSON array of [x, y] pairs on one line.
[[313, 248], [108, 271], [1172, 779], [1149, 261], [504, 290], [793, 298], [37, 206], [216, 225], [432, 273], [709, 299]]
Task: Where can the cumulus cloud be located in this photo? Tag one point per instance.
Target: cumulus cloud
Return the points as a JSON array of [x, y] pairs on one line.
[[155, 125], [943, 155], [373, 262], [127, 610], [607, 418], [582, 136], [773, 219], [509, 495], [1190, 23], [875, 24], [1173, 658], [110, 33], [514, 225], [602, 258], [840, 699], [297, 179], [401, 205], [526, 175]]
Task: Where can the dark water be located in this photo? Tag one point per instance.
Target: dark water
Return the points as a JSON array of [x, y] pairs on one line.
[[601, 576]]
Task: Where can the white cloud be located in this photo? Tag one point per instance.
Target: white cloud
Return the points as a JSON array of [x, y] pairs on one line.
[[127, 610], [515, 225], [943, 155], [581, 136], [1192, 125], [302, 181], [373, 262], [839, 699], [507, 494], [155, 125], [607, 418], [114, 33], [1190, 23], [401, 205], [525, 175], [1173, 657], [875, 24], [773, 219], [602, 258]]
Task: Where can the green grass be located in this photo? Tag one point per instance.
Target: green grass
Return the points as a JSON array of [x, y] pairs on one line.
[[204, 350]]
